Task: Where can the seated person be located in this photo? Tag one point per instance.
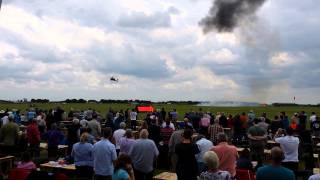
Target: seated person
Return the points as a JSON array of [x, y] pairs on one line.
[[26, 162], [212, 161], [244, 161]]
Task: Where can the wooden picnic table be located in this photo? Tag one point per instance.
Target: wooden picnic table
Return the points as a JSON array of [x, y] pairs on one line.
[[166, 176], [6, 159], [56, 165]]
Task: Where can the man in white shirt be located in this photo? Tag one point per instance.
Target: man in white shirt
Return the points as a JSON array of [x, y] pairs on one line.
[[118, 134], [204, 146], [313, 117], [290, 146], [164, 124], [133, 119]]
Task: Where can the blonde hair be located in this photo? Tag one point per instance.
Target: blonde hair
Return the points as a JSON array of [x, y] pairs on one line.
[[211, 159], [84, 137]]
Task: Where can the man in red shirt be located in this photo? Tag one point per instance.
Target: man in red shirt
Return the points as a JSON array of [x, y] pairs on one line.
[[227, 154], [33, 135]]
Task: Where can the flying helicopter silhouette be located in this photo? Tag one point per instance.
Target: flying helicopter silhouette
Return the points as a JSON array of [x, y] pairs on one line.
[[113, 79]]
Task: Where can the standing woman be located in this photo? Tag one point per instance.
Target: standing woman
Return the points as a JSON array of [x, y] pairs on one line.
[[187, 168], [83, 158]]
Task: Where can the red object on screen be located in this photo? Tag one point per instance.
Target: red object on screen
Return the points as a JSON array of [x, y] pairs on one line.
[[145, 109]]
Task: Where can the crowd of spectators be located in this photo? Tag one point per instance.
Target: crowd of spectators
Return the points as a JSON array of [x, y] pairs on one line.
[[118, 146]]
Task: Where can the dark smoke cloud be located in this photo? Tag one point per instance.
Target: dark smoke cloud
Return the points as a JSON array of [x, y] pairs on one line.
[[225, 15]]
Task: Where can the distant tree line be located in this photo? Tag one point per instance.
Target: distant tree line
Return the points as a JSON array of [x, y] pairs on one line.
[[294, 104], [39, 100]]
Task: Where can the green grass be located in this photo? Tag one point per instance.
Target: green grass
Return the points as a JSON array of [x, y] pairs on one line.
[[181, 108]]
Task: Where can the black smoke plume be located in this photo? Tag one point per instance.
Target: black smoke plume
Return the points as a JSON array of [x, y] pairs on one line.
[[225, 15]]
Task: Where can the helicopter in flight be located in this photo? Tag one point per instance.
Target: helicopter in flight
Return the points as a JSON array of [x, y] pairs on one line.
[[113, 79]]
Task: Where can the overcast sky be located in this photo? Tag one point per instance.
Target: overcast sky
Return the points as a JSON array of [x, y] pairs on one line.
[[70, 49]]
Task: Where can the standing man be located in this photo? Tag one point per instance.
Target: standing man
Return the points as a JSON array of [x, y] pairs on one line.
[[33, 136], [118, 134], [9, 136], [104, 155], [257, 139], [133, 119], [227, 154], [95, 126], [143, 154], [290, 146]]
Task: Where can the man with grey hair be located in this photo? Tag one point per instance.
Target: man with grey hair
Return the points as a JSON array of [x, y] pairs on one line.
[[143, 154], [227, 154], [118, 134], [9, 135], [95, 126], [275, 170]]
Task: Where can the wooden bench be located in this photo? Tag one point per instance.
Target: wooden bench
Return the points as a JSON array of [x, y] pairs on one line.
[[166, 176]]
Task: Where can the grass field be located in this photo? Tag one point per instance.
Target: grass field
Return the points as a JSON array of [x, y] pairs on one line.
[[181, 108]]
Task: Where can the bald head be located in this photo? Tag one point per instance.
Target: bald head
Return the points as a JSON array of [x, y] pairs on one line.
[[277, 154]]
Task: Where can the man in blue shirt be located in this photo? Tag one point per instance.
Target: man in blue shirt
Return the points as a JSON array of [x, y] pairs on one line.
[[275, 170], [104, 155]]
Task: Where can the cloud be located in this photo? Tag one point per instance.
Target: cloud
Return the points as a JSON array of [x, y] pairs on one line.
[[66, 49], [145, 21]]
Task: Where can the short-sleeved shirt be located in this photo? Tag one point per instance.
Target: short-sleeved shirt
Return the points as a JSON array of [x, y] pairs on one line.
[[133, 116], [204, 145], [186, 164], [290, 146], [117, 135], [228, 155], [120, 174], [272, 172], [219, 175], [142, 154], [82, 154], [314, 177], [256, 131], [104, 153], [126, 144]]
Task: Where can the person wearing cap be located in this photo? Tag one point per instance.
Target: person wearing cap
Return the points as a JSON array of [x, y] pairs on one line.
[[212, 161], [275, 170], [118, 134], [9, 134]]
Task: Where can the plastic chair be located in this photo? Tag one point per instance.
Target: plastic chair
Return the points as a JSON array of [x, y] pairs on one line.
[[243, 174], [18, 174]]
